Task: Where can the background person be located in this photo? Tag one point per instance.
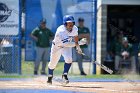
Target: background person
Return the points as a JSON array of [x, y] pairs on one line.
[[124, 51], [83, 32], [41, 35]]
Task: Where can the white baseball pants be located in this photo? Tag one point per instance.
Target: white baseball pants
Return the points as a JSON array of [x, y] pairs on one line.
[[56, 53]]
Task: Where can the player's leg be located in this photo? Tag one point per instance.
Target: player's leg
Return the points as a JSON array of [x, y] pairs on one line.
[[44, 60], [117, 60], [54, 58], [133, 64], [87, 57], [39, 53], [80, 63], [67, 54]]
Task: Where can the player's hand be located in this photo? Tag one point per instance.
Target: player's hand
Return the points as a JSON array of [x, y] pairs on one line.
[[125, 53], [83, 41], [35, 38], [78, 49], [139, 54]]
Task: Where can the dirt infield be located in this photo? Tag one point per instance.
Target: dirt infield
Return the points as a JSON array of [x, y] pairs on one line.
[[92, 87]]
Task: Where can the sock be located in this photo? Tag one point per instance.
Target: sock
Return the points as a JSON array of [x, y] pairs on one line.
[[66, 68], [50, 72]]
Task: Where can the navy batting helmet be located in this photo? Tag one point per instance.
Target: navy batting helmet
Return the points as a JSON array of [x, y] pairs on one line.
[[81, 19], [68, 18], [43, 20]]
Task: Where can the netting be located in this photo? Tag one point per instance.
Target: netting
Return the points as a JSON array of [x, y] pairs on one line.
[[10, 23], [9, 54]]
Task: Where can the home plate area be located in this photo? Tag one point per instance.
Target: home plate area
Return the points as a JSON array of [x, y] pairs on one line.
[[77, 85]]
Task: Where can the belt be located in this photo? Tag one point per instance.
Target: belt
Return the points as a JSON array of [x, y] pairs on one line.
[[57, 46]]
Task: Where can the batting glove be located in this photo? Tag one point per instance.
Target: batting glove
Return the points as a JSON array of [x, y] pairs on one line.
[[83, 41]]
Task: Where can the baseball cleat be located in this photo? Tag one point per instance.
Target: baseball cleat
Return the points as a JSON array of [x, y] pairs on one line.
[[65, 79], [49, 80], [35, 73], [83, 73]]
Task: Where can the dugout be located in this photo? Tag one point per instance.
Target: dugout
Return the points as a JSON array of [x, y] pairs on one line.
[[114, 16]]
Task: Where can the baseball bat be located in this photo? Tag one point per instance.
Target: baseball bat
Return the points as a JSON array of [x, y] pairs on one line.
[[100, 65]]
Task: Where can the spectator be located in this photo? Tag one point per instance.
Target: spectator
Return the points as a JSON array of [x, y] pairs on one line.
[[83, 32], [116, 41], [124, 51], [41, 36]]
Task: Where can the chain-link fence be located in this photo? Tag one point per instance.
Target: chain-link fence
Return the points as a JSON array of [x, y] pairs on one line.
[[10, 27], [9, 55]]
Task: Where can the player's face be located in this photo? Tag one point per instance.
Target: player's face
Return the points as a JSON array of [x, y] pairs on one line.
[[81, 23], [125, 44], [69, 26], [43, 25]]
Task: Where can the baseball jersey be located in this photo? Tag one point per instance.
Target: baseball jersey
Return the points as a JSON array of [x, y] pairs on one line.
[[120, 48], [63, 35], [43, 36]]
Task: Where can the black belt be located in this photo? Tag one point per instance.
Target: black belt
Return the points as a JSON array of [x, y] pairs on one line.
[[54, 44]]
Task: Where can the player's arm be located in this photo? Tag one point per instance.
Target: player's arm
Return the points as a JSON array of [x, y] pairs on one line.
[[73, 44], [76, 39], [33, 35], [87, 36], [51, 34]]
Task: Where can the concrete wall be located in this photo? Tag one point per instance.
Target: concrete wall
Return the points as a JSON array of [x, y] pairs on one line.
[[118, 2], [121, 2], [101, 35]]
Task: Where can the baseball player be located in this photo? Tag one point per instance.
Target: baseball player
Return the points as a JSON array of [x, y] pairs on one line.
[[41, 35], [65, 38]]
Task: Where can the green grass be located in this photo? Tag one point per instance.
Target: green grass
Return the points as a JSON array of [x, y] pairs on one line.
[[104, 76], [14, 76], [28, 68]]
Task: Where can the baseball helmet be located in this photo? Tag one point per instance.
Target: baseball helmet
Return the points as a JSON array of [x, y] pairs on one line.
[[81, 19], [43, 20], [68, 18], [125, 39]]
